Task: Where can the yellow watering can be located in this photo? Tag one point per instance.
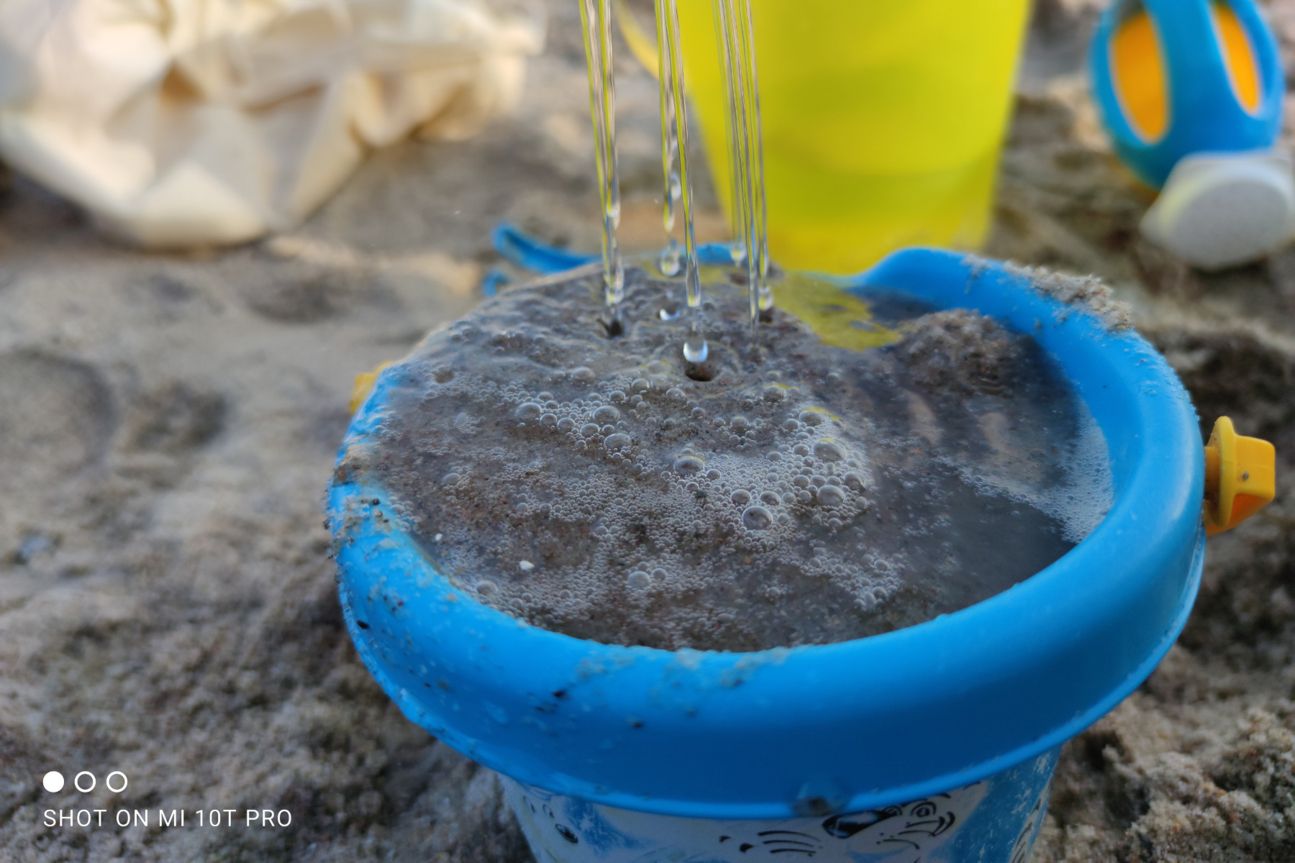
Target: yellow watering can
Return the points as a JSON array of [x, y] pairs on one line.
[[882, 119]]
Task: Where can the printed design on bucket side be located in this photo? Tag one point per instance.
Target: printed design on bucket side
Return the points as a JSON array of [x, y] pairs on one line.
[[569, 829], [565, 830], [905, 833]]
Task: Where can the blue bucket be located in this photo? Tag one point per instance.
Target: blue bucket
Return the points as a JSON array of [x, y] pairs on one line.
[[940, 735]]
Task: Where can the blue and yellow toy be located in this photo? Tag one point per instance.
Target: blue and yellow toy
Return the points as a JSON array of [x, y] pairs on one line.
[[1191, 92]]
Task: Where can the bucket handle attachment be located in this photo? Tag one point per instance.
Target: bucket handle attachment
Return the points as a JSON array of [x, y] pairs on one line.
[[1240, 477]]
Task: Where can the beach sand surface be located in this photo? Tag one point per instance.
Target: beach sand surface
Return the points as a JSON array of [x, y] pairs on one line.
[[168, 424]]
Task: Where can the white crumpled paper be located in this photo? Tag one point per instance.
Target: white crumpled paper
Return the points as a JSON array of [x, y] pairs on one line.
[[183, 122]]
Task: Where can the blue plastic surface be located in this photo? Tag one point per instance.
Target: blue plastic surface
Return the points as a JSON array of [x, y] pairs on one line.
[[1205, 115], [852, 725]]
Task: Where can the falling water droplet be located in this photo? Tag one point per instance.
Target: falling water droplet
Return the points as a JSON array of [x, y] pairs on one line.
[[670, 261], [695, 349]]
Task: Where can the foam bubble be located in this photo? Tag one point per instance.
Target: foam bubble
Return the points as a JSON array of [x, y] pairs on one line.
[[831, 495], [757, 518], [689, 463], [528, 411], [828, 450]]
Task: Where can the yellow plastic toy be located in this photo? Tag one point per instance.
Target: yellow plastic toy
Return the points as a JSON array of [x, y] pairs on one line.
[[1240, 477], [882, 120], [363, 385]]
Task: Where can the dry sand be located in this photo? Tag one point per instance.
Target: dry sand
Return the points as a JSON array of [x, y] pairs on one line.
[[167, 425]]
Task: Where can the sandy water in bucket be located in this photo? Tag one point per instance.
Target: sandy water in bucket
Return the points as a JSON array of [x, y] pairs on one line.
[[803, 494]]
